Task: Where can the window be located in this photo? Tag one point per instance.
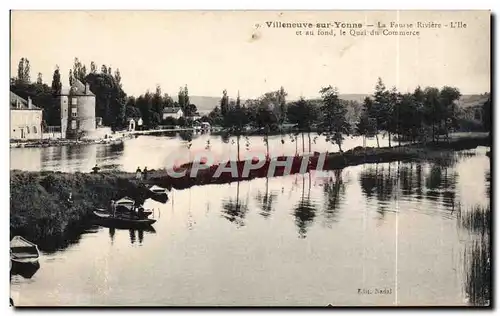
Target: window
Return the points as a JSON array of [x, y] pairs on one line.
[[73, 124], [27, 129], [73, 101], [73, 112], [34, 129]]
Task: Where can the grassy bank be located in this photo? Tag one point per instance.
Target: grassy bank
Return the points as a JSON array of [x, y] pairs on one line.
[[39, 207]]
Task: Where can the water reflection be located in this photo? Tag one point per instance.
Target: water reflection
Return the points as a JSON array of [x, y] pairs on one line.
[[234, 209], [444, 255], [334, 191], [266, 201], [379, 182], [305, 210]]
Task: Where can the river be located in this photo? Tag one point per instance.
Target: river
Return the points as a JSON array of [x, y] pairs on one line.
[[339, 238], [162, 151]]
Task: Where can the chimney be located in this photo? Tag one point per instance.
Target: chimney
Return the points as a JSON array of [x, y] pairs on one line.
[[30, 104], [87, 88]]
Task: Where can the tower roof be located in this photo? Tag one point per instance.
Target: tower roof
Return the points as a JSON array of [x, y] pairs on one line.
[[78, 88]]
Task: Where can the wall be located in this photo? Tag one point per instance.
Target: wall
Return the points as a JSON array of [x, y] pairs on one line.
[[25, 124], [86, 113], [64, 115]]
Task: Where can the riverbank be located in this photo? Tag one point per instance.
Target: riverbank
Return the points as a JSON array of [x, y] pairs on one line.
[[53, 142], [39, 206]]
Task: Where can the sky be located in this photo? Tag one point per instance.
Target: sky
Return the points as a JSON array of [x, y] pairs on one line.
[[215, 50]]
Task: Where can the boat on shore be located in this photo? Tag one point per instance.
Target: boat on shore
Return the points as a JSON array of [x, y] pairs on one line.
[[23, 251], [122, 220], [158, 193]]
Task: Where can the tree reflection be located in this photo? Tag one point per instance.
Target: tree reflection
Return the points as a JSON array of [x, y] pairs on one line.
[[132, 236], [305, 210], [186, 135], [441, 183], [379, 182], [235, 210], [333, 188], [266, 201]]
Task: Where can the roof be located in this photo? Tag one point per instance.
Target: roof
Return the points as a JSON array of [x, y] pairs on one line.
[[78, 89], [171, 110], [135, 118], [14, 99]]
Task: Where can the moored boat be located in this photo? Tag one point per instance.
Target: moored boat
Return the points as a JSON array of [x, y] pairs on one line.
[[122, 220], [23, 251], [158, 193], [121, 210], [126, 202]]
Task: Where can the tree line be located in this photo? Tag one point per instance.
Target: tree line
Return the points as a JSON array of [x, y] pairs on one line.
[[113, 105], [424, 115]]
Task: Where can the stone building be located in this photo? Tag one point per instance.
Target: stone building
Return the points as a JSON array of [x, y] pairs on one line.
[[25, 119], [78, 119]]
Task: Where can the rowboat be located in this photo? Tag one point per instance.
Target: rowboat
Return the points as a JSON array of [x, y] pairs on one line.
[[23, 251], [125, 201], [158, 193], [122, 210], [121, 220], [27, 270], [157, 189]]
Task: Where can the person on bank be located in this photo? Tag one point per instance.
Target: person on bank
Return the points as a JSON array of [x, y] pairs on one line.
[[138, 174], [96, 169], [145, 173]]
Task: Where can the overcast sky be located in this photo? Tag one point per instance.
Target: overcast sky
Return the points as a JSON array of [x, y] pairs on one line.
[[212, 51]]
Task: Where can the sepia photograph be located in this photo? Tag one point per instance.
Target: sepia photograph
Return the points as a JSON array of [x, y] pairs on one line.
[[250, 158]]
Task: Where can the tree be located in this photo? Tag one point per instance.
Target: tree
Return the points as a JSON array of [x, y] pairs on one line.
[[26, 77], [79, 70], [380, 109], [39, 79], [157, 102], [56, 81], [20, 70], [180, 97], [281, 99], [432, 111], [447, 98], [93, 68], [486, 117], [303, 114], [366, 125], [334, 124], [167, 101], [70, 77], [186, 97], [111, 100], [118, 77], [224, 103]]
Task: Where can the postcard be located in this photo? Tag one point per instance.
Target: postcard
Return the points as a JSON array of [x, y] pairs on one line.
[[250, 158]]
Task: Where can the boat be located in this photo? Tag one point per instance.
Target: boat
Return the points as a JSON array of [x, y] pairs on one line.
[[157, 189], [121, 210], [23, 251], [26, 270], [159, 194], [126, 202], [123, 220]]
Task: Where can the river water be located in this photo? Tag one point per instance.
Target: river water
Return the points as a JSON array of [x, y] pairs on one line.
[[162, 151], [338, 238]]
